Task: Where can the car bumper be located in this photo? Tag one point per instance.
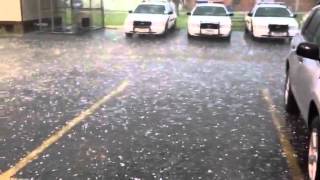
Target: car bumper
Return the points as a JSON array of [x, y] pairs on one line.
[[145, 30], [221, 32], [265, 33]]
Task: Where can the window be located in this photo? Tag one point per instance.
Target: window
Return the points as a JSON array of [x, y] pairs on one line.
[[76, 4], [169, 9], [209, 11], [311, 26], [96, 4], [172, 6], [316, 38], [272, 12], [150, 9]]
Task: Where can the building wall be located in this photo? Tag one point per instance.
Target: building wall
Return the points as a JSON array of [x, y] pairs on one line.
[[10, 10], [30, 9]]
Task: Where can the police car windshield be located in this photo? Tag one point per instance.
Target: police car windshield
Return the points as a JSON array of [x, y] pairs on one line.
[[272, 12], [209, 11], [150, 9]]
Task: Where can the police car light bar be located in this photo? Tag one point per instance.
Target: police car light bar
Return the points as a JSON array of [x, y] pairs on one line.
[[209, 1], [155, 1], [280, 3]]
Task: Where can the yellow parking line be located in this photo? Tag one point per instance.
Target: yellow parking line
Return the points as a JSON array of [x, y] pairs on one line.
[[287, 148], [7, 175]]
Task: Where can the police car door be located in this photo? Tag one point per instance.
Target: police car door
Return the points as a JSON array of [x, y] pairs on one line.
[[306, 69]]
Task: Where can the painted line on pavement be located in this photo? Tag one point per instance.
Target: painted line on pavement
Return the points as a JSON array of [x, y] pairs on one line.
[[287, 148], [33, 155]]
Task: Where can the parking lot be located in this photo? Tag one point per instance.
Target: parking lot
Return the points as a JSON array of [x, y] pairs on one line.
[[185, 109]]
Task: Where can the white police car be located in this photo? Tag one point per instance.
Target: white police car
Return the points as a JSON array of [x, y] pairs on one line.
[[210, 19], [151, 17], [271, 20]]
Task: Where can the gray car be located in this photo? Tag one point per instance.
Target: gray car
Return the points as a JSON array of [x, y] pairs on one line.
[[302, 88]]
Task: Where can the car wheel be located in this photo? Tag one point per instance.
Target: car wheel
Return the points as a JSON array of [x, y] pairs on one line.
[[246, 30], [252, 32], [289, 99], [189, 35], [166, 28], [129, 35], [165, 32], [313, 151], [174, 25], [228, 38]]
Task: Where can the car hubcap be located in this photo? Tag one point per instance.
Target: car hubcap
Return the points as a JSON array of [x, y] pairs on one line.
[[313, 154], [286, 93]]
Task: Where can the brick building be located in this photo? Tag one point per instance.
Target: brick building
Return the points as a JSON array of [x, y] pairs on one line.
[[246, 5], [60, 16]]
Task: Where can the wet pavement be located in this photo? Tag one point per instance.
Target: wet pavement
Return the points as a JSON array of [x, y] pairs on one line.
[[193, 108]]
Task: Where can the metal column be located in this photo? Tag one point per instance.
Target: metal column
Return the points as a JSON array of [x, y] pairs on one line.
[[39, 15], [102, 9], [52, 15]]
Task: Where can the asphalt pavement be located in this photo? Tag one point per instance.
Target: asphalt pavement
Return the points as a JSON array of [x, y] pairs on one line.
[[193, 108]]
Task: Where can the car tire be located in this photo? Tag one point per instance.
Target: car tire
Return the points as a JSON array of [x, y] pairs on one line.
[[252, 33], [174, 25], [129, 35], [289, 99], [189, 35], [246, 30], [228, 38], [165, 32], [313, 150]]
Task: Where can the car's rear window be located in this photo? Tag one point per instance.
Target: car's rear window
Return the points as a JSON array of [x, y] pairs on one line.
[[272, 12], [150, 9], [209, 11]]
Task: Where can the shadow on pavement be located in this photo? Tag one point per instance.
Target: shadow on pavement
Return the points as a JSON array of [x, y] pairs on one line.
[[212, 39]]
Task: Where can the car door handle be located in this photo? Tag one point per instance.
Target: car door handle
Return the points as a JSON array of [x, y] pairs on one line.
[[300, 59]]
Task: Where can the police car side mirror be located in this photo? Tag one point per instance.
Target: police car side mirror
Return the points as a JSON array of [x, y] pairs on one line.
[[231, 14], [250, 14], [170, 12], [130, 11], [308, 50], [188, 13], [294, 16]]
